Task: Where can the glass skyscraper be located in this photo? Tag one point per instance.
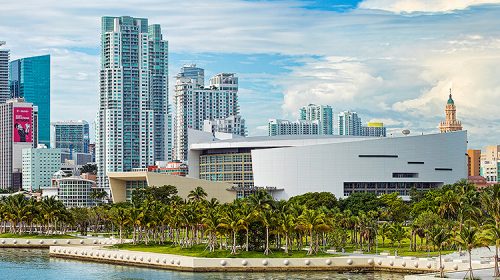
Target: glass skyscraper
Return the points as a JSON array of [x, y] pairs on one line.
[[29, 78], [132, 127], [4, 74]]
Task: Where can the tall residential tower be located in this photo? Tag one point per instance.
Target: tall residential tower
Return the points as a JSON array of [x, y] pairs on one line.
[[196, 103], [4, 74], [132, 121], [349, 123], [321, 113]]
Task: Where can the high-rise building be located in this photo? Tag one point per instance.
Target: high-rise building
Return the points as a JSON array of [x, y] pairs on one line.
[[4, 74], [38, 166], [132, 121], [16, 134], [195, 103], [375, 129], [72, 135], [285, 127], [474, 162], [321, 113], [450, 123], [233, 124], [30, 79], [349, 123]]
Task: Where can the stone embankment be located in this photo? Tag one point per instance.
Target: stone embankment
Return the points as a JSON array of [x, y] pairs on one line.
[[46, 243], [194, 264]]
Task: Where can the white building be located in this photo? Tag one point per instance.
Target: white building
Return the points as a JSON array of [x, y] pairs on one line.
[[38, 166], [349, 123], [233, 124], [321, 113], [17, 132], [299, 127], [195, 103], [293, 165], [132, 121], [374, 129], [72, 191]]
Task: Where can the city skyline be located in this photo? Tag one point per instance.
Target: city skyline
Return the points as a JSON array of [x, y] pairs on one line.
[[288, 66]]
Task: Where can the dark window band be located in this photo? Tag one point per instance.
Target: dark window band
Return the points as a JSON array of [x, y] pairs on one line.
[[443, 169], [378, 156], [415, 162]]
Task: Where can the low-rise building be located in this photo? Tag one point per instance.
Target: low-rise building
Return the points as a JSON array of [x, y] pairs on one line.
[[38, 166], [123, 184], [374, 129], [72, 191]]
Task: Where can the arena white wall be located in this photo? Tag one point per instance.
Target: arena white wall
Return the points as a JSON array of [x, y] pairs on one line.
[[325, 167]]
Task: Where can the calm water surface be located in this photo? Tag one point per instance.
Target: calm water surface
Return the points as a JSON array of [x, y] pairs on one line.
[[36, 264]]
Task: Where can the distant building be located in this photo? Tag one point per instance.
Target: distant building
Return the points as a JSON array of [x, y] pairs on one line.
[[4, 74], [193, 73], [92, 151], [232, 124], [72, 191], [323, 114], [176, 168], [300, 127], [196, 103], [30, 79], [490, 161], [349, 123], [38, 166], [16, 134], [375, 129], [450, 123], [72, 135], [474, 162]]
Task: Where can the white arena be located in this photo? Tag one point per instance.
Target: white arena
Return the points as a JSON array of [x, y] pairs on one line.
[[293, 165]]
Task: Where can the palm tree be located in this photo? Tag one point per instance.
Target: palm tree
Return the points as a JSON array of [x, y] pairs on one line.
[[309, 221], [120, 216], [490, 201], [470, 237], [397, 233], [231, 220], [197, 195], [383, 230], [439, 237]]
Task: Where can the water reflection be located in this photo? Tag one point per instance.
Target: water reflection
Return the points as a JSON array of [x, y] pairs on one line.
[[36, 264]]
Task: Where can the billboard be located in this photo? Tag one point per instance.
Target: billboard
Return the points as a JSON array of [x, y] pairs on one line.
[[23, 119]]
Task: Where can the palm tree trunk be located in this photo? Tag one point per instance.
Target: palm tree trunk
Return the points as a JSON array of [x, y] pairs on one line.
[[441, 269], [497, 273], [266, 251], [233, 251], [246, 245], [471, 273], [286, 243]]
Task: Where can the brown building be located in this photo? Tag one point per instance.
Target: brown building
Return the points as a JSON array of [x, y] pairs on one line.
[[474, 162], [450, 123]]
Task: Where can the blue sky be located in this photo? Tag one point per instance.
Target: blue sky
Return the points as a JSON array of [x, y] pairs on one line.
[[389, 60]]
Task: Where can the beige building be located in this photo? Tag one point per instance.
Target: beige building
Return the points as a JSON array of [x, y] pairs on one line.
[[450, 123], [474, 162], [122, 184], [490, 159]]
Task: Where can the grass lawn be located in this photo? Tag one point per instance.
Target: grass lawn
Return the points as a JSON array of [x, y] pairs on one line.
[[37, 236], [403, 250], [201, 251]]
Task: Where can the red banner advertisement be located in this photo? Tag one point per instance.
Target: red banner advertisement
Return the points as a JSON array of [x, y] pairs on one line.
[[23, 119]]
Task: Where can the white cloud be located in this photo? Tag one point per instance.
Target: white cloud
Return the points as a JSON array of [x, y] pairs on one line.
[[432, 6]]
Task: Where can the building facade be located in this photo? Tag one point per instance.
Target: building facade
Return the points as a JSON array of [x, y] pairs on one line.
[[293, 165], [300, 127], [349, 123], [16, 134], [30, 79], [450, 123], [374, 129], [474, 162], [4, 74], [132, 121], [233, 124], [196, 103], [38, 166], [72, 135], [323, 114], [490, 161]]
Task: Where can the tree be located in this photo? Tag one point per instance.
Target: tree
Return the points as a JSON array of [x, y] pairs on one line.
[[89, 168], [470, 237], [383, 231], [120, 217], [360, 201], [490, 201], [197, 195], [440, 237], [397, 233], [164, 194], [315, 200]]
